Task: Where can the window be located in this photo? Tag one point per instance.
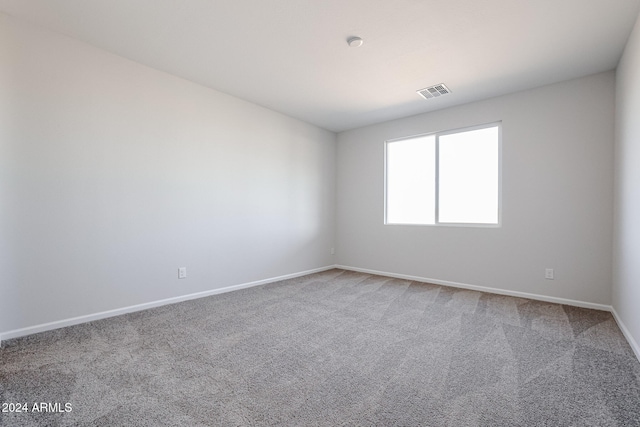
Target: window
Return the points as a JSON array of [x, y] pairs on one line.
[[448, 177]]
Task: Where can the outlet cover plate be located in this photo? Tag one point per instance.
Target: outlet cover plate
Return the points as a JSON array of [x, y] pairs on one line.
[[548, 273]]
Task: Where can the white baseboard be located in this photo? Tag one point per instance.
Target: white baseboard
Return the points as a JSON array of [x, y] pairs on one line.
[[130, 309], [632, 342], [139, 307], [538, 297]]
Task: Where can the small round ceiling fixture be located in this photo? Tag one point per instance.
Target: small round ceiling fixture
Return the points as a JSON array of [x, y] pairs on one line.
[[355, 41]]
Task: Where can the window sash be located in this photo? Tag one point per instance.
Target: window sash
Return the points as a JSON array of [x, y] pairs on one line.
[[389, 217]]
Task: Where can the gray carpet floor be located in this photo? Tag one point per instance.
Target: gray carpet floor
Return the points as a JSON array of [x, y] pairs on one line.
[[336, 348]]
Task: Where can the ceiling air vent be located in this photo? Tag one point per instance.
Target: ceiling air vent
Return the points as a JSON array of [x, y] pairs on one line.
[[433, 91]]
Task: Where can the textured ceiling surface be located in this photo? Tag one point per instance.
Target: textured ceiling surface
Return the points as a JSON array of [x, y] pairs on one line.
[[292, 55]]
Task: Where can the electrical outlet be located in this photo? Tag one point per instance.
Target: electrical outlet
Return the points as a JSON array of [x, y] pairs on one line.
[[548, 273], [182, 272]]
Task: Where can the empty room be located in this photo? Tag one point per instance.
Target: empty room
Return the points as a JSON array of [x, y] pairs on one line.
[[319, 213]]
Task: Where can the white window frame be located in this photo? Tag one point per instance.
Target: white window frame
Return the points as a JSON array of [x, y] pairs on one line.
[[436, 195]]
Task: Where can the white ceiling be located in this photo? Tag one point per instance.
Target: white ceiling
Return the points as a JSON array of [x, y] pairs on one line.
[[292, 56]]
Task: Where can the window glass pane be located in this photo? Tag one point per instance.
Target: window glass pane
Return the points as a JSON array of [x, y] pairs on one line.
[[468, 177], [411, 181]]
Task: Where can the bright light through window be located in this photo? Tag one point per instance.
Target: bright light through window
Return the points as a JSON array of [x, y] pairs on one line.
[[447, 177], [411, 181], [468, 177]]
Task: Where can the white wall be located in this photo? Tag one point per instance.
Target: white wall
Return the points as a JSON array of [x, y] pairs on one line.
[[113, 175], [626, 283], [557, 197]]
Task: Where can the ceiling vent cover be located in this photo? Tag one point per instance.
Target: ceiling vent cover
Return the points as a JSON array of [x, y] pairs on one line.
[[433, 91]]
